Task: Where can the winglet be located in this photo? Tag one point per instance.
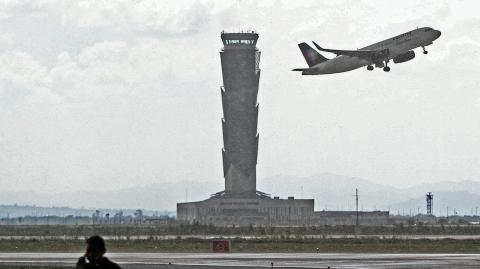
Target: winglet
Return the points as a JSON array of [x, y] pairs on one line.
[[316, 45]]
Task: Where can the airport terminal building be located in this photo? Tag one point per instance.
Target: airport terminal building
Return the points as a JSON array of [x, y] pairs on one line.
[[241, 203]]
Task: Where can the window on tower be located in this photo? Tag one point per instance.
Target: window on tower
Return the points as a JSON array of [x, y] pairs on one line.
[[239, 41]]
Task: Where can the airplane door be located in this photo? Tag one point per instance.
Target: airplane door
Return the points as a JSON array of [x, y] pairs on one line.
[[416, 39]]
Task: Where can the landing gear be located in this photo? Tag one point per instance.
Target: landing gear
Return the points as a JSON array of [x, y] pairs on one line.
[[386, 68], [370, 67], [424, 50]]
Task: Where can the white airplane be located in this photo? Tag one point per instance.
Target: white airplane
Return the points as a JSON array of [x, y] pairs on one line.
[[399, 49]]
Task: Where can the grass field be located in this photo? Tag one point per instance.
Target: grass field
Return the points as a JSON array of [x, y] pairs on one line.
[[27, 267], [242, 245], [82, 231], [282, 239]]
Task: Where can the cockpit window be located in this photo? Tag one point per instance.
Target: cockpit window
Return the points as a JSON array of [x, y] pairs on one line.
[[428, 29]]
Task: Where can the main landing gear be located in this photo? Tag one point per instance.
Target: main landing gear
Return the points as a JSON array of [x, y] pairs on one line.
[[379, 65], [386, 68], [424, 50]]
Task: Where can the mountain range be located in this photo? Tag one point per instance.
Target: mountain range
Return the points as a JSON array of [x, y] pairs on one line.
[[331, 192]]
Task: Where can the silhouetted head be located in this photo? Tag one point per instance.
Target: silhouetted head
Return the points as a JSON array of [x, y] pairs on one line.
[[95, 248]]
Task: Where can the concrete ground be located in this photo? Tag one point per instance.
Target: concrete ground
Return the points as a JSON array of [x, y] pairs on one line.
[[254, 260]]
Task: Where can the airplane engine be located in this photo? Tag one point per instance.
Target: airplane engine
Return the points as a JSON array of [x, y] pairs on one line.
[[404, 57]]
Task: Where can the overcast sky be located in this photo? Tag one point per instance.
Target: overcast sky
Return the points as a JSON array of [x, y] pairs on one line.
[[113, 94]]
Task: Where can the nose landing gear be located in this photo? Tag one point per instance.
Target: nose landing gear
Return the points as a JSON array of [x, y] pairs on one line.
[[424, 50]]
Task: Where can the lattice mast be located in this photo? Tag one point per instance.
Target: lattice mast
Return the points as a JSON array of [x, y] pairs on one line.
[[429, 197]]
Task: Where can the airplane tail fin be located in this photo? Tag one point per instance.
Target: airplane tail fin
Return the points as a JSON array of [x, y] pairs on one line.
[[311, 56]]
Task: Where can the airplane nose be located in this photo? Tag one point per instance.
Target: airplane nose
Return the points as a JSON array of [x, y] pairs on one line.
[[437, 34]]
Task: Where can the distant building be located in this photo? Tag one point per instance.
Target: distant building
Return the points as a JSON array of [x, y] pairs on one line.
[[264, 211], [370, 218]]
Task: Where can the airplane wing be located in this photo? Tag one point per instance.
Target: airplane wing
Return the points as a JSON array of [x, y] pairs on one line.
[[368, 54]]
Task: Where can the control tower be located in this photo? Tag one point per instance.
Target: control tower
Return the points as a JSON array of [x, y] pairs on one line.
[[240, 204], [241, 74]]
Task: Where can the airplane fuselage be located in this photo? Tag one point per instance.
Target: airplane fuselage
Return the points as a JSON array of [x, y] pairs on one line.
[[396, 46]]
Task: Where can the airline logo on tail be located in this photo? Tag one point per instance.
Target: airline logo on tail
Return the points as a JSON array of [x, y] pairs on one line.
[[311, 56]]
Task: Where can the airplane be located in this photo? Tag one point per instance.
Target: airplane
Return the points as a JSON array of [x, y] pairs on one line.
[[398, 48]]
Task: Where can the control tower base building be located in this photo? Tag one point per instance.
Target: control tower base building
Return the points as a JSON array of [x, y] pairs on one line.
[[241, 203]]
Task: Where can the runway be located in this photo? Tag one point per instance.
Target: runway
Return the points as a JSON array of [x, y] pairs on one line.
[[255, 260]]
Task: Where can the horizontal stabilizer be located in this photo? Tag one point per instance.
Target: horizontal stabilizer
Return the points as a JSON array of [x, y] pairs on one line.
[[300, 69]]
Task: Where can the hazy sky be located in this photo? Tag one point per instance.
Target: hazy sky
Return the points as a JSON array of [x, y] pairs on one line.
[[112, 94]]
